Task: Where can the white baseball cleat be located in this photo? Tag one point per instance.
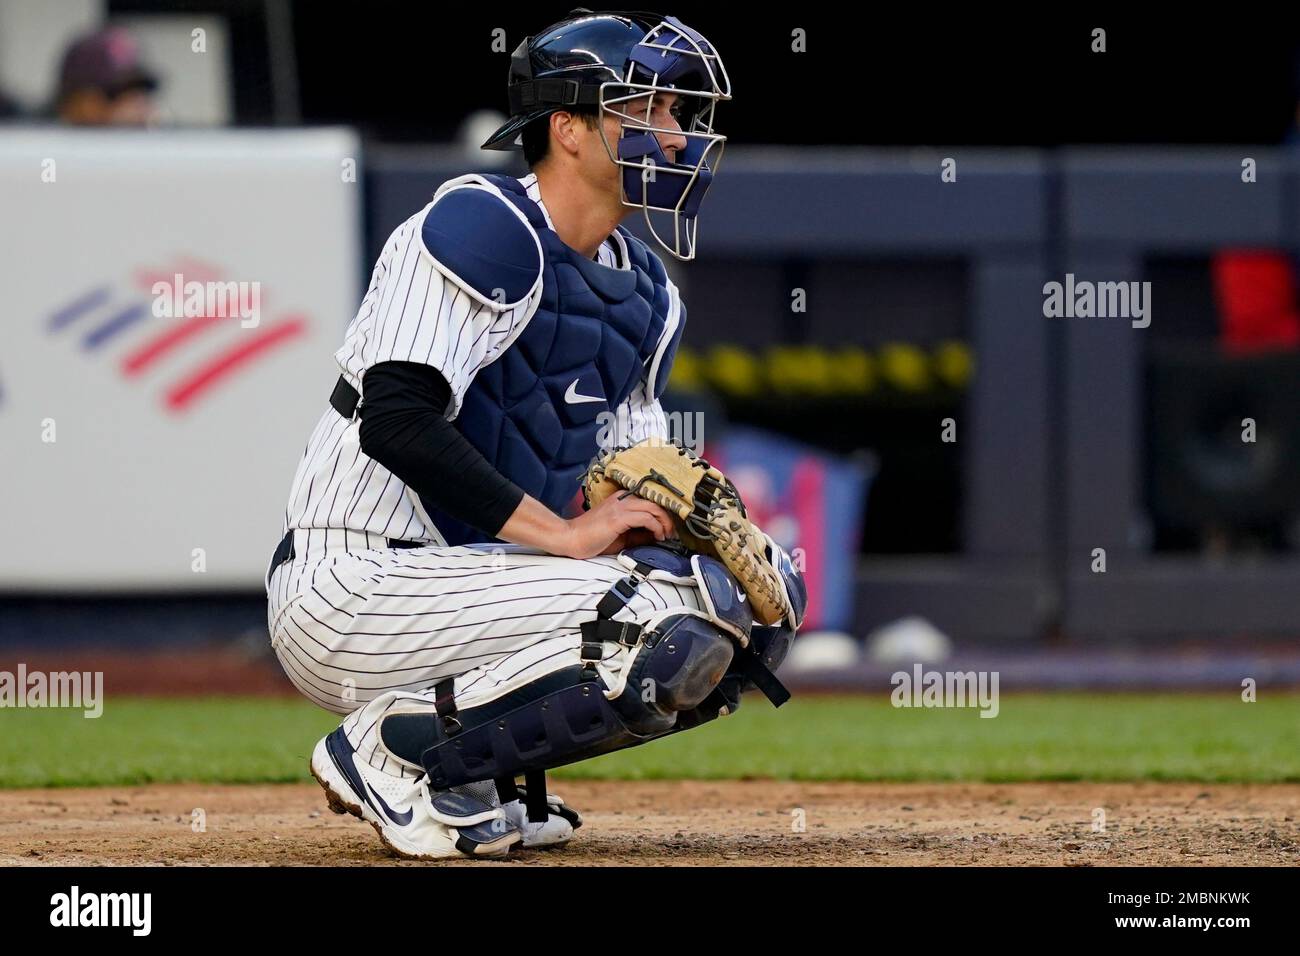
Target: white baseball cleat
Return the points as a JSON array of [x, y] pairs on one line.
[[556, 830], [411, 820]]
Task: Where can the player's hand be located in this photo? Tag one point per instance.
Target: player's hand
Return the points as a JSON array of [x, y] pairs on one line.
[[618, 522]]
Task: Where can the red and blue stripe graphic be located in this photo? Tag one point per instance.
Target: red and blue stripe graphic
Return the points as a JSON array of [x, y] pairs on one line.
[[103, 317]]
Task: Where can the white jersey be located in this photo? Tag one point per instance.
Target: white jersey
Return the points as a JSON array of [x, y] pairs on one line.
[[413, 313]]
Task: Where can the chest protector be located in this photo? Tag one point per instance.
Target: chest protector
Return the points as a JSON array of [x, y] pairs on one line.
[[538, 412]]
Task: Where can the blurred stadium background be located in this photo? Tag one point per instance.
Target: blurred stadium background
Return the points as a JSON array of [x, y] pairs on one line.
[[866, 339]]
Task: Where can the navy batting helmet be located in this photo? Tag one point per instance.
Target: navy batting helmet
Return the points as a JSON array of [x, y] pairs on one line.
[[612, 62]]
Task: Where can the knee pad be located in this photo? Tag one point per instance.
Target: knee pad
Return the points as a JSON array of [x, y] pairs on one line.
[[762, 648], [680, 662]]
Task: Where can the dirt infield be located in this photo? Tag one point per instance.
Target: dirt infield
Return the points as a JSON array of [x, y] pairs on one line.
[[693, 823]]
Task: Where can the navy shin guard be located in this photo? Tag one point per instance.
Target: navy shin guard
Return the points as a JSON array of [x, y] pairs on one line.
[[566, 716]]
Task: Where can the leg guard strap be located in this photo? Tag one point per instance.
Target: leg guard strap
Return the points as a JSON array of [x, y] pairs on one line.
[[533, 793], [752, 668]]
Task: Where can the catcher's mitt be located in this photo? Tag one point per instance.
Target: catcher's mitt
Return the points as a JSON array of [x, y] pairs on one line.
[[707, 511]]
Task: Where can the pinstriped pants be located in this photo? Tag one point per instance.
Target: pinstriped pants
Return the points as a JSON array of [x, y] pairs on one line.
[[350, 627]]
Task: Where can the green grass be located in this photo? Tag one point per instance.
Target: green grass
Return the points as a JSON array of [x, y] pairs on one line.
[[1035, 737]]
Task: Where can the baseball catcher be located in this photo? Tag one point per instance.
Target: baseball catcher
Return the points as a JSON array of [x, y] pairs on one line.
[[434, 586]]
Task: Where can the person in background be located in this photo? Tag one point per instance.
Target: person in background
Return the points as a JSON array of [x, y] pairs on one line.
[[103, 82]]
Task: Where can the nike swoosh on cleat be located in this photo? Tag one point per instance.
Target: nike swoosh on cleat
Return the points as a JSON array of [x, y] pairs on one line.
[[401, 819], [340, 751], [740, 594], [573, 398]]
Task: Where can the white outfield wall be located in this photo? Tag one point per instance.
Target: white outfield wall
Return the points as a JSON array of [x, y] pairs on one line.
[[141, 451]]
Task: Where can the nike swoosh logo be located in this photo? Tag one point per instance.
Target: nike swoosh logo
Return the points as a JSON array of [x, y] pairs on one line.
[[340, 751], [573, 398], [401, 819], [740, 594]]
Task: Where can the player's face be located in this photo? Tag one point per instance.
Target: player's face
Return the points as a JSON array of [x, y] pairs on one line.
[[94, 108], [657, 110]]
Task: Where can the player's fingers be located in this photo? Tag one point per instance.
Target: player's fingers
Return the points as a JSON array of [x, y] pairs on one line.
[[628, 499], [638, 516], [631, 518], [663, 521]]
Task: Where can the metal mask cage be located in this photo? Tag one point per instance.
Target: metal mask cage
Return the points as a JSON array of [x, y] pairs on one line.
[[714, 85]]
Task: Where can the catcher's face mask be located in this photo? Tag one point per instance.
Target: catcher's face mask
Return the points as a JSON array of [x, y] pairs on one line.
[[672, 58]]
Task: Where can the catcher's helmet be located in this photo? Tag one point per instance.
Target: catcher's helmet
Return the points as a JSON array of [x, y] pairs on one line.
[[611, 62]]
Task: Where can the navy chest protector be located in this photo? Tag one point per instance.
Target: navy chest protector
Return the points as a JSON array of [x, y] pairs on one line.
[[537, 412]]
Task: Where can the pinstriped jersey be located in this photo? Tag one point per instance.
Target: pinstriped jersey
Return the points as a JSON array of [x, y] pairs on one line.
[[411, 312]]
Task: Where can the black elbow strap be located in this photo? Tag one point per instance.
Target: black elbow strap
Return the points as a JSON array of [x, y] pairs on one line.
[[345, 398]]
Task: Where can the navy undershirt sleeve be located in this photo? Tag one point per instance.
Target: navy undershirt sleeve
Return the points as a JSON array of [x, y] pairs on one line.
[[404, 428]]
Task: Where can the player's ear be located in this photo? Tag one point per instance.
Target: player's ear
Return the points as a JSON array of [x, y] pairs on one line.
[[564, 131]]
